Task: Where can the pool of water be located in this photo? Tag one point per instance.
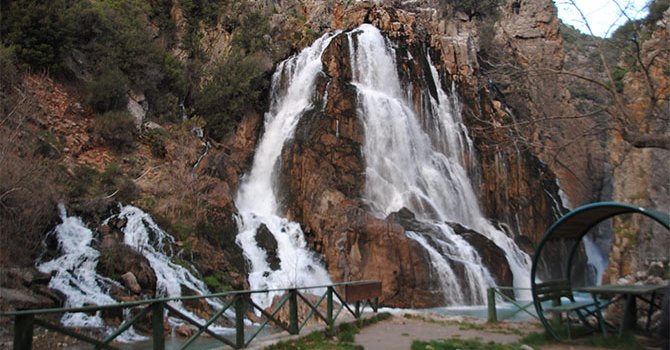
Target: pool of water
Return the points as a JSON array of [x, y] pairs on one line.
[[504, 311]]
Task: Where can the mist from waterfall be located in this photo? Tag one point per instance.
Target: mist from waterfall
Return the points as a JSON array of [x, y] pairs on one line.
[[292, 90], [423, 170]]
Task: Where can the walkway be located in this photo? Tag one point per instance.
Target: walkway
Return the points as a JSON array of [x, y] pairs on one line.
[[398, 332]]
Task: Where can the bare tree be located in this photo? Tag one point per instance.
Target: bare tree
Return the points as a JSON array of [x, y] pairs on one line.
[[620, 110], [27, 187]]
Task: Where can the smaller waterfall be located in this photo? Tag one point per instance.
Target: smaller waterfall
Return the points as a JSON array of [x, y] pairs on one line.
[[595, 258], [292, 94], [74, 272], [143, 235]]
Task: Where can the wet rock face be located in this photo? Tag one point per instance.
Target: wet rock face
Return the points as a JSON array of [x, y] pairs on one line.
[[492, 256], [323, 177], [27, 288], [119, 260], [267, 242]]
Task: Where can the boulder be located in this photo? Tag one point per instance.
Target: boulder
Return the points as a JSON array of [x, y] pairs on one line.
[[267, 242], [130, 281], [121, 260]]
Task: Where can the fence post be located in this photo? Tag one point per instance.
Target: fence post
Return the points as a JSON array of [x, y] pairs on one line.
[[157, 326], [240, 308], [293, 311], [23, 332], [329, 311], [491, 298]]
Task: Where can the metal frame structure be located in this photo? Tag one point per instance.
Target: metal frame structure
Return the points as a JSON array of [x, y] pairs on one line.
[[571, 228]]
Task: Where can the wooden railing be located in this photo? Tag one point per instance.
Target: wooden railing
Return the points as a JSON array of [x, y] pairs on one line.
[[357, 296]]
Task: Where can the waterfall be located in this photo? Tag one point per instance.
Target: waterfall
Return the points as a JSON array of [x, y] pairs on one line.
[[143, 235], [406, 168], [293, 85], [408, 165], [73, 274], [74, 271]]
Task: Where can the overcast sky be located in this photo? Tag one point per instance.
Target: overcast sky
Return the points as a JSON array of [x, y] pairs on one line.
[[601, 14]]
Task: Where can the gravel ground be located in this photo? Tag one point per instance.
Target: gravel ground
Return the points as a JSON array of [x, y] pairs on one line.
[[398, 332], [401, 330]]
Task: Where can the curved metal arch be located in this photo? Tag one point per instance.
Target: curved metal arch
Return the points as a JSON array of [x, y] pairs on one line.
[[575, 225]]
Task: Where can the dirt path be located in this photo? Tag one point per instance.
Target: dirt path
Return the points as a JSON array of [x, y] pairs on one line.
[[398, 332]]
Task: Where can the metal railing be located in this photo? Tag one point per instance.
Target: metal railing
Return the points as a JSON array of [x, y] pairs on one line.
[[520, 306], [338, 297]]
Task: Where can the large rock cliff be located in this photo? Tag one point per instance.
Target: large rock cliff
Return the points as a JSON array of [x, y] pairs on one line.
[[322, 171]]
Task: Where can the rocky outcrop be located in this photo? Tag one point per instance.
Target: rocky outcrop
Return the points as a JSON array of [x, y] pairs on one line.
[[524, 69], [266, 241], [639, 174], [118, 260], [26, 288], [492, 256], [322, 170]]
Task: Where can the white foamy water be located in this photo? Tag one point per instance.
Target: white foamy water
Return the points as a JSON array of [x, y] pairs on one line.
[[146, 237], [74, 272], [292, 93], [423, 170]]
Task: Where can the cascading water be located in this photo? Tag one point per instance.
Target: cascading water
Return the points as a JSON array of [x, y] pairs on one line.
[[292, 91], [406, 169], [143, 235], [74, 272], [407, 166]]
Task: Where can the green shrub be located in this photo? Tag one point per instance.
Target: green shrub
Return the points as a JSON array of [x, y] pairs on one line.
[[80, 184], [476, 8], [656, 9], [250, 35], [212, 283], [109, 92], [164, 98], [116, 34], [117, 129], [37, 30], [9, 74], [160, 15], [156, 139], [195, 12], [237, 86], [618, 74]]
